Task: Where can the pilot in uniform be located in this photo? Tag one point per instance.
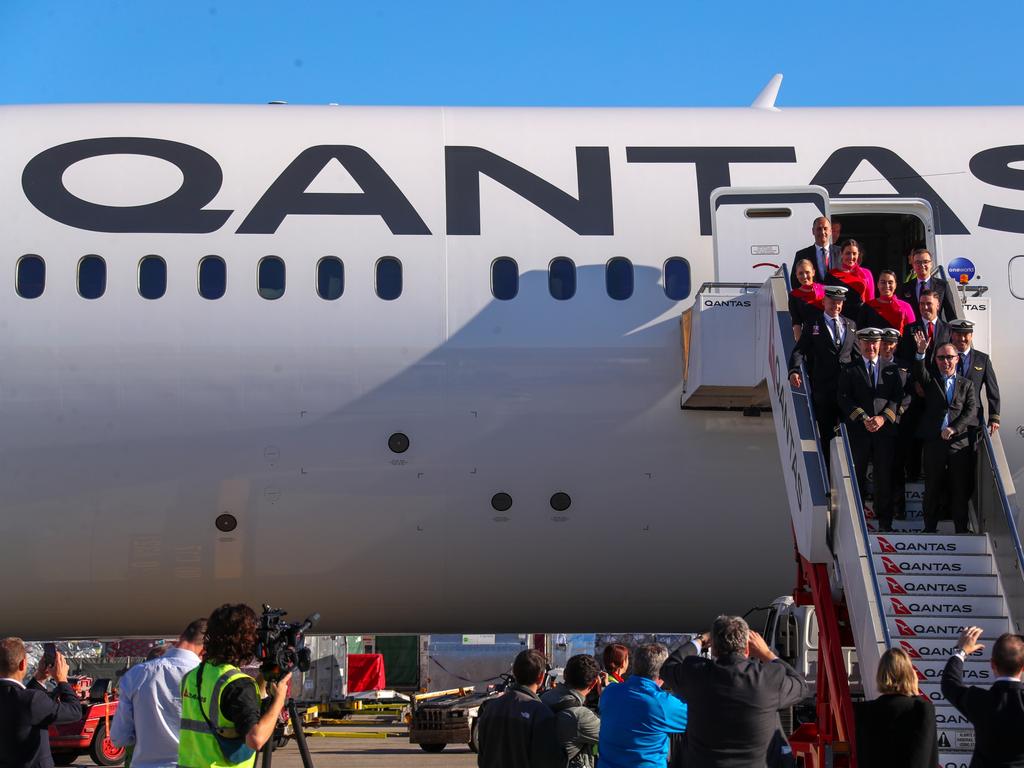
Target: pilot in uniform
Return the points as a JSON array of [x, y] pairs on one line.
[[870, 396], [826, 344]]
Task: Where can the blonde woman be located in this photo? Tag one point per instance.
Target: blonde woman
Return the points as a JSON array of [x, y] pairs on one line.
[[896, 730]]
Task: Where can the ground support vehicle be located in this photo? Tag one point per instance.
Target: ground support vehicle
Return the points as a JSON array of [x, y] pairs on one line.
[[90, 735], [447, 717]]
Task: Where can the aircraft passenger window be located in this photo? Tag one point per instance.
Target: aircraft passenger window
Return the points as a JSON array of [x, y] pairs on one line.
[[504, 278], [152, 277], [213, 277], [31, 277], [562, 278], [389, 278], [271, 278], [677, 278], [1016, 277], [618, 278], [330, 278], [92, 277]]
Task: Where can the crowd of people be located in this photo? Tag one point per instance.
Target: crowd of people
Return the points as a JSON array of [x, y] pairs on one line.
[[890, 359], [714, 703], [188, 707]]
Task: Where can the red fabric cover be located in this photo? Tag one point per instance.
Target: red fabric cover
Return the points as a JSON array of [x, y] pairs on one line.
[[813, 297], [365, 672]]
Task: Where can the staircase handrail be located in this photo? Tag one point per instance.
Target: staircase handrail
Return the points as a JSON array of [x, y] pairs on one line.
[[826, 481], [865, 536], [1004, 525]]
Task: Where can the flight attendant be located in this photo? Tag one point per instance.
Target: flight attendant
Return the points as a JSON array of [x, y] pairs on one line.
[[850, 273], [805, 300], [886, 310]]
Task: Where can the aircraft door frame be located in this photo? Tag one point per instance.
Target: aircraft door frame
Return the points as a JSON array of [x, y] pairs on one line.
[[757, 229], [914, 206]]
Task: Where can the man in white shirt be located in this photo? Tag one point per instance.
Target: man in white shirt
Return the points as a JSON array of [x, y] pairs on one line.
[[823, 254], [149, 707]]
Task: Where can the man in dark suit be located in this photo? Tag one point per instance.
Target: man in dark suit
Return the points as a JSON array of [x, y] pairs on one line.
[[976, 366], [887, 354], [823, 254], [734, 700], [997, 714], [826, 344], [26, 712], [928, 321], [870, 395], [910, 292], [950, 410]]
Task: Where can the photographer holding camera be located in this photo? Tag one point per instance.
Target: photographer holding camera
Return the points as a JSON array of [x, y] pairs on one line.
[[221, 724]]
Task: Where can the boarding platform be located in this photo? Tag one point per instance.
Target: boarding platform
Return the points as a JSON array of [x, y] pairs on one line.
[[870, 590]]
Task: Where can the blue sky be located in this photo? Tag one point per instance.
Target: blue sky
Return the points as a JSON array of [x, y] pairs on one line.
[[560, 52]]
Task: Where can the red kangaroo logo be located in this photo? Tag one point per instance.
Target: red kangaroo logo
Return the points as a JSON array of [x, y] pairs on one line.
[[899, 607], [890, 566], [911, 650], [894, 586], [885, 546], [904, 629]]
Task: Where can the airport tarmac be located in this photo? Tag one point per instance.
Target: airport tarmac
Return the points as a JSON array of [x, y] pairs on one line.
[[394, 749]]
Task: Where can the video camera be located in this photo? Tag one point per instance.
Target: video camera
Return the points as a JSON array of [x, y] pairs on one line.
[[280, 645]]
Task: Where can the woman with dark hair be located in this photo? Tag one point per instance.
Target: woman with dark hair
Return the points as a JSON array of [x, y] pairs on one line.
[[896, 730], [221, 724], [805, 300], [886, 310], [616, 662], [850, 273]]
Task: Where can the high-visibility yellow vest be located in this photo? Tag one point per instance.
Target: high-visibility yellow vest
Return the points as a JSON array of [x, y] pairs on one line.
[[198, 746]]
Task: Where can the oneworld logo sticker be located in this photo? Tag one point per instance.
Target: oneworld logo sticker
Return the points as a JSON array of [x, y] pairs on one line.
[[961, 270]]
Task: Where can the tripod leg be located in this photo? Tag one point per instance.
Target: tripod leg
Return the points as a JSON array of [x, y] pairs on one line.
[[300, 734]]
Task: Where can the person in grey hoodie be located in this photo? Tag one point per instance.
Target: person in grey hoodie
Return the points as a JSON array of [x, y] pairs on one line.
[[576, 726]]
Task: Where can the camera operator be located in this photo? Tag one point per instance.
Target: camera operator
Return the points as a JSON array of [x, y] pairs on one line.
[[221, 724]]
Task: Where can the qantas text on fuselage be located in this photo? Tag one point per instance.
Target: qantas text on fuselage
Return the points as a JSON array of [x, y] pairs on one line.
[[588, 213]]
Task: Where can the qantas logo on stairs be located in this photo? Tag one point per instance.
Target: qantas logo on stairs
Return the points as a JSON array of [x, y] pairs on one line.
[[894, 586], [904, 629], [923, 567], [902, 609], [911, 650], [887, 547]]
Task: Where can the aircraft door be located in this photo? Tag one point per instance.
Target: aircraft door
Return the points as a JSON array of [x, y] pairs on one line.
[[757, 229]]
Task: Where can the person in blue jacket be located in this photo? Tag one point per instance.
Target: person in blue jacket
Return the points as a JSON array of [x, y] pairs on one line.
[[637, 716]]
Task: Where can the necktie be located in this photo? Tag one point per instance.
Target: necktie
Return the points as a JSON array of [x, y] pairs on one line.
[[824, 259], [949, 399], [962, 365], [921, 284], [871, 374], [931, 333], [836, 337]]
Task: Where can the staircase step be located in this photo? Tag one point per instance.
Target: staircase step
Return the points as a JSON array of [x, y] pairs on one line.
[[934, 692], [938, 648], [949, 716], [943, 627], [961, 608], [921, 586], [975, 672], [955, 759], [928, 544], [959, 739], [924, 565]]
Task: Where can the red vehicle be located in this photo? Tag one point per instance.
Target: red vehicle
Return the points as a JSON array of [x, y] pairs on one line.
[[89, 736]]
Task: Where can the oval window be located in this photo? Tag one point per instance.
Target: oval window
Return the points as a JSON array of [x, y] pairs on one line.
[[213, 277], [270, 278], [152, 277], [562, 278], [389, 278], [618, 278], [31, 277], [504, 278], [677, 278], [92, 277], [330, 278]]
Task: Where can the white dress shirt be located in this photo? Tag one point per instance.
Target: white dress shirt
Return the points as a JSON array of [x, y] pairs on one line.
[[149, 709]]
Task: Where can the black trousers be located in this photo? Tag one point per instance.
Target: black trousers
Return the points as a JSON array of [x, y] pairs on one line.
[[826, 413], [949, 473], [878, 448]]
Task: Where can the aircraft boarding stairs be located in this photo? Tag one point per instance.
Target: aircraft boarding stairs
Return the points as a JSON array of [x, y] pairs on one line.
[[905, 589]]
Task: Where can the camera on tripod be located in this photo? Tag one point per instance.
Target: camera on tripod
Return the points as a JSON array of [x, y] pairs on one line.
[[281, 645]]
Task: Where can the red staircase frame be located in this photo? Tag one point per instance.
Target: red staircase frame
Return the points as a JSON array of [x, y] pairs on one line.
[[830, 741]]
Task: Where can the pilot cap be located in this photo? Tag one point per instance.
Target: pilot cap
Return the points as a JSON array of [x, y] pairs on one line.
[[836, 291], [869, 334], [890, 334], [963, 326]]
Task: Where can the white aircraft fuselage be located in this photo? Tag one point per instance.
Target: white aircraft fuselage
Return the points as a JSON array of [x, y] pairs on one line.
[[130, 425]]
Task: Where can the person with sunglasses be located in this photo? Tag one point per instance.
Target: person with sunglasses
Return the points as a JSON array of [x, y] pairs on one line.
[[950, 412]]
